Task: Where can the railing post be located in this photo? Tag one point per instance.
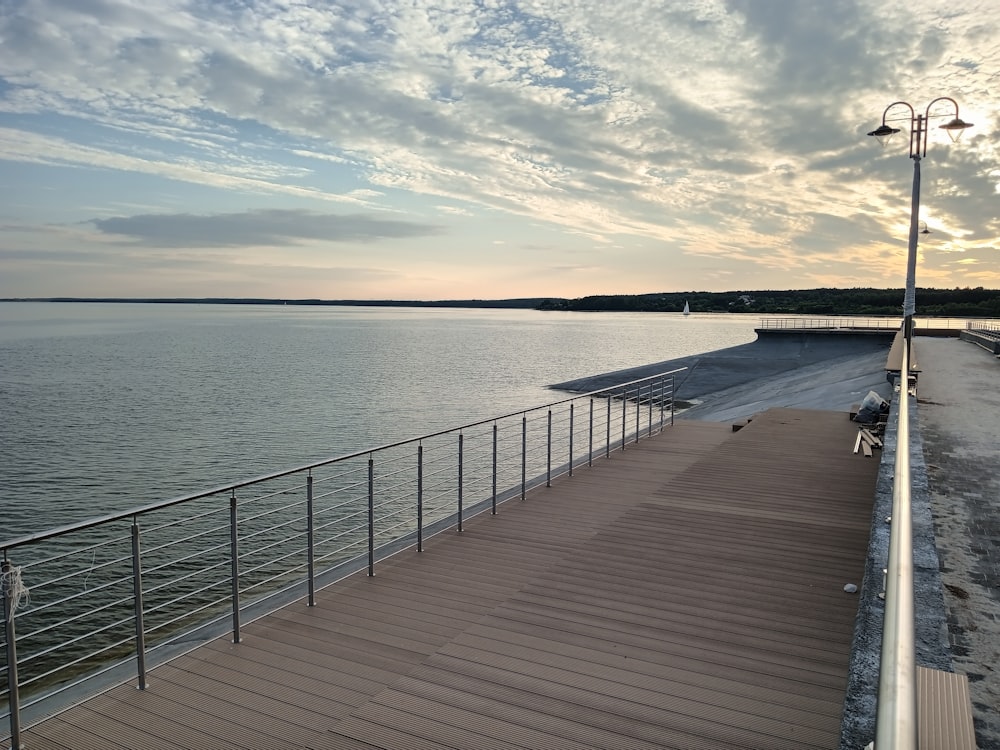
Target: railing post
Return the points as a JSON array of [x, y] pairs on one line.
[[140, 629], [590, 444], [495, 430], [371, 515], [663, 389], [524, 454], [461, 445], [607, 426], [672, 400], [10, 579], [638, 410], [420, 497], [571, 439], [548, 452], [624, 413], [650, 419], [310, 541], [234, 564]]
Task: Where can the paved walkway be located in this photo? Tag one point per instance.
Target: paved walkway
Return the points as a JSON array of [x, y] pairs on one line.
[[959, 409]]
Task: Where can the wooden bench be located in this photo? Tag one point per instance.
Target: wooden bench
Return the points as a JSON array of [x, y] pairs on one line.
[[944, 711]]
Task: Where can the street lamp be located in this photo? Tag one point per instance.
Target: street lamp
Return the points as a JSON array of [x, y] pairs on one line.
[[918, 150]]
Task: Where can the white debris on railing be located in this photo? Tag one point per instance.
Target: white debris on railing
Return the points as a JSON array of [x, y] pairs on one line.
[[14, 589]]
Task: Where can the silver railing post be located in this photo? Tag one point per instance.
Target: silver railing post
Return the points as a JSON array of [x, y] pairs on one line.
[[371, 515], [548, 452], [663, 391], [638, 410], [310, 540], [495, 430], [896, 723], [10, 577], [590, 439], [571, 438], [672, 400], [624, 413], [607, 427], [650, 420], [140, 629], [524, 454], [461, 446], [234, 564], [420, 497]]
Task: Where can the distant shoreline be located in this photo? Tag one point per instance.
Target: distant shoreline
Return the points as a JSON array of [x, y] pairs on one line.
[[525, 303], [860, 302]]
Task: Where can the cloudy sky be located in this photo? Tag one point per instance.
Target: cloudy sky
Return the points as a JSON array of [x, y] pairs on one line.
[[444, 149]]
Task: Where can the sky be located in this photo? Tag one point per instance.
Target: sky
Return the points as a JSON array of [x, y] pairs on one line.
[[489, 149]]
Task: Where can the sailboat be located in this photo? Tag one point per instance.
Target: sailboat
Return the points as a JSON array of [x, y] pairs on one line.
[[687, 308]]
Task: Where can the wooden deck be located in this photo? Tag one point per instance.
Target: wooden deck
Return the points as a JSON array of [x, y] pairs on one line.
[[687, 593]]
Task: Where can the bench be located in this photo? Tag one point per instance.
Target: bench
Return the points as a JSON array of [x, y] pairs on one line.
[[944, 711]]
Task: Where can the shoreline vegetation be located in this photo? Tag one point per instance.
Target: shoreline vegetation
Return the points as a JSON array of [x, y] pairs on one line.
[[956, 303]]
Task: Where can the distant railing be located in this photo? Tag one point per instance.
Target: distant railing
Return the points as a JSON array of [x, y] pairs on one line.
[[878, 323], [896, 717], [90, 598], [983, 325], [874, 323]]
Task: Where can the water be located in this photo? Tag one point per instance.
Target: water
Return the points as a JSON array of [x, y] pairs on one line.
[[111, 406]]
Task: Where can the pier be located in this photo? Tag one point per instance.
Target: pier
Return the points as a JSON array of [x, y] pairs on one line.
[[686, 590]]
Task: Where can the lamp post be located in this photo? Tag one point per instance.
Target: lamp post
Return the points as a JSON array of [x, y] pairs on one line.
[[896, 714], [918, 150]]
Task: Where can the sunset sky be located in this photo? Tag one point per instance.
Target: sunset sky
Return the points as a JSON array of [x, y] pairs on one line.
[[447, 149]]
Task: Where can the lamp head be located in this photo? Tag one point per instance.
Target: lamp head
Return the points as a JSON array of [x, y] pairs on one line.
[[883, 133], [955, 128]]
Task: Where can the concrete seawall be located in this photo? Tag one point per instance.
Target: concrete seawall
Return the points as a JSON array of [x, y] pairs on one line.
[[799, 369]]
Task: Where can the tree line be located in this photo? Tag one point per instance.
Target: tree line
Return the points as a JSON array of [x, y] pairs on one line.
[[956, 303]]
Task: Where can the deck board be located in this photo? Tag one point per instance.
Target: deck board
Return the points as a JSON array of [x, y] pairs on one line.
[[685, 593]]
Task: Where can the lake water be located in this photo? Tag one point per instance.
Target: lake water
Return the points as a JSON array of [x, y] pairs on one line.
[[111, 406]]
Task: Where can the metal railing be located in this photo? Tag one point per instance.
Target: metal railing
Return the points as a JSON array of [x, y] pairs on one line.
[[874, 323], [896, 718], [877, 323], [148, 582], [983, 325]]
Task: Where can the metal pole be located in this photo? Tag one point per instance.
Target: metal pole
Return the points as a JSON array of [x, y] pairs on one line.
[[624, 414], [461, 444], [310, 541], [548, 452], [571, 439], [896, 725], [8, 576], [590, 433], [371, 516], [234, 561], [607, 425], [140, 629], [495, 468], [672, 400], [909, 299], [663, 390], [420, 497], [524, 454]]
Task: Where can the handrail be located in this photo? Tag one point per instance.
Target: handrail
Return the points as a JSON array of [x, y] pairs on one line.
[[107, 591], [896, 718]]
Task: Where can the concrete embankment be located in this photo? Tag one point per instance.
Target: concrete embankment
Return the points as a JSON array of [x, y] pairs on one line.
[[802, 369]]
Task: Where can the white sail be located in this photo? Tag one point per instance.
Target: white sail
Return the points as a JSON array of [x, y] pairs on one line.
[[687, 308]]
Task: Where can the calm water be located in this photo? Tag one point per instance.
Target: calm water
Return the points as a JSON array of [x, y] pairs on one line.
[[110, 406]]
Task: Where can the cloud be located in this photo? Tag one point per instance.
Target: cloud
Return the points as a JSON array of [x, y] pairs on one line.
[[695, 127], [259, 228]]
